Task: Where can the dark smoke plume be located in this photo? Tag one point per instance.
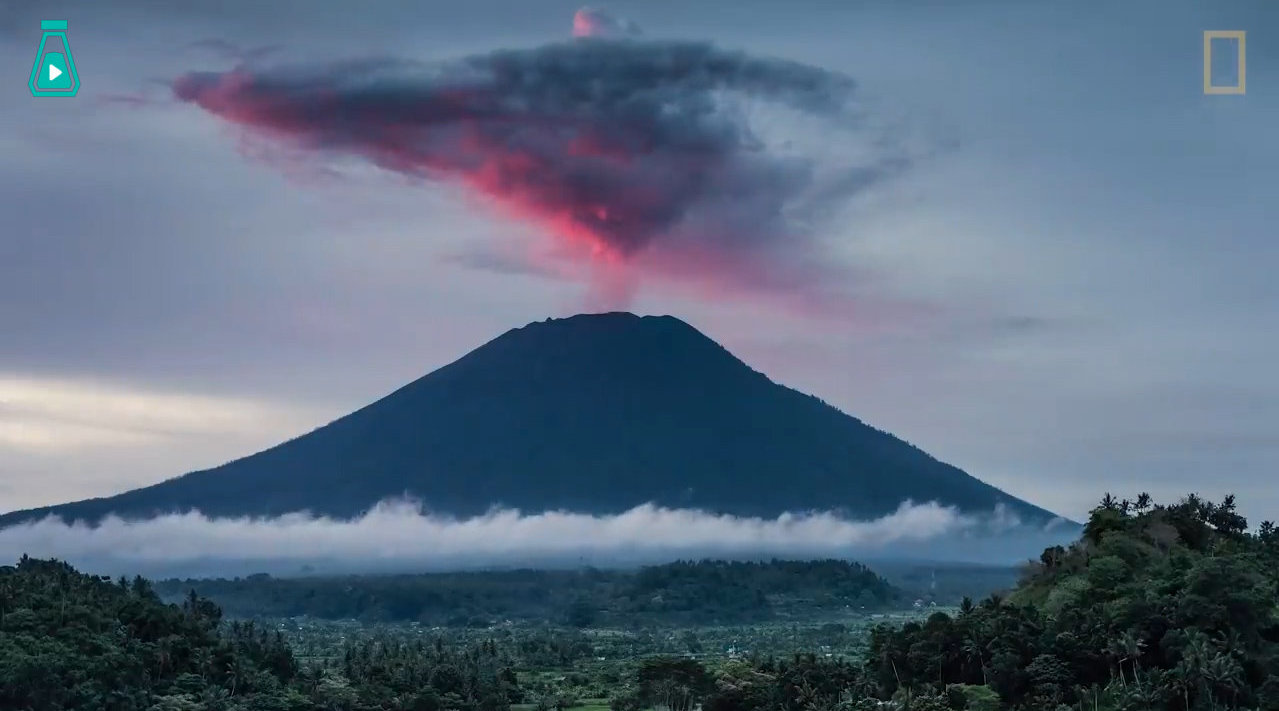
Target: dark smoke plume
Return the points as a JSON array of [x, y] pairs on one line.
[[632, 151]]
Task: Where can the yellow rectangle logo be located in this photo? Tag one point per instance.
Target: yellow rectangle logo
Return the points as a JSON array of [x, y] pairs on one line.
[[1209, 87]]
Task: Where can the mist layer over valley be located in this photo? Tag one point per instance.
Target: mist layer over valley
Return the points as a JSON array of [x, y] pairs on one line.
[[399, 536]]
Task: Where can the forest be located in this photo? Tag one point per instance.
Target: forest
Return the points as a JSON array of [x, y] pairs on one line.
[[1156, 606], [680, 593]]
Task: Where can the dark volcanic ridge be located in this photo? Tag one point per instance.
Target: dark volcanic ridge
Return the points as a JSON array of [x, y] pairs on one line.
[[595, 414]]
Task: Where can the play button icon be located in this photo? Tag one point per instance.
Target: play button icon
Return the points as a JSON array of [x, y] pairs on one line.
[[54, 72], [55, 76]]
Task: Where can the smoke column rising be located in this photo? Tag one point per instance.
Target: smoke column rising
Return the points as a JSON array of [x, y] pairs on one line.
[[628, 151]]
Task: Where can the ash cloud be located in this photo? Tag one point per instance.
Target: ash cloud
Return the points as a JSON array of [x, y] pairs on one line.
[[398, 535], [592, 22], [673, 157]]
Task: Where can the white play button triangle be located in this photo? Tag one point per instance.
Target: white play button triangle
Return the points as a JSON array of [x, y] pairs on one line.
[[54, 72]]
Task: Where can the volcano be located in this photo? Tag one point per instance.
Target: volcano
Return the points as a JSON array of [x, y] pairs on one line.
[[593, 413]]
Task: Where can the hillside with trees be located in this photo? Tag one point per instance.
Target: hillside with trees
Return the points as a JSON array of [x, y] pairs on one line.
[[75, 641], [1155, 607]]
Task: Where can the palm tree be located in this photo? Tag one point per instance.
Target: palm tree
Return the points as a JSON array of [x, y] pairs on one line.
[[1132, 647], [972, 648], [1094, 691], [1224, 671], [164, 653], [235, 673], [1115, 654], [1191, 670], [1181, 679], [202, 658], [7, 592]]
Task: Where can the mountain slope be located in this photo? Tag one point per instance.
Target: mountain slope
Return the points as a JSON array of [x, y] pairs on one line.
[[594, 413]]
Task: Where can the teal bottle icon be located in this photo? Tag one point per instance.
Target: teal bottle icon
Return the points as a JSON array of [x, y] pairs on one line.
[[54, 72]]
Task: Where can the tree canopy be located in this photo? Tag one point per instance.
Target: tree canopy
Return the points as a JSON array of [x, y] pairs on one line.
[[1155, 607], [679, 593]]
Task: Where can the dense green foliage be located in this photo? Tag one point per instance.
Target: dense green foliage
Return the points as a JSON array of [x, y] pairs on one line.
[[595, 413], [1156, 607], [947, 583], [686, 593], [74, 641]]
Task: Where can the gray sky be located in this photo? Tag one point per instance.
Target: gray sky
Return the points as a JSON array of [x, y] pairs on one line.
[[1072, 293]]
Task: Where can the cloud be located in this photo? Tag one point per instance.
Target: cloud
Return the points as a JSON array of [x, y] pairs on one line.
[[48, 415], [681, 159], [230, 50], [590, 22], [397, 534]]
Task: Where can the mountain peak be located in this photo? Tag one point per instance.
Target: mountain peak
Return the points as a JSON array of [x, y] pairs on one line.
[[564, 355], [612, 323]]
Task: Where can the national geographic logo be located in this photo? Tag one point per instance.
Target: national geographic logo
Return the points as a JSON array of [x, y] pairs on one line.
[[1227, 43]]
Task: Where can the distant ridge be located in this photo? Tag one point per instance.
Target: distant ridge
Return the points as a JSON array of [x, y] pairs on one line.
[[592, 413]]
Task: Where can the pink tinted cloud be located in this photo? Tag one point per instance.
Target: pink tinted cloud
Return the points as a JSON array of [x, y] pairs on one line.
[[635, 155], [590, 22]]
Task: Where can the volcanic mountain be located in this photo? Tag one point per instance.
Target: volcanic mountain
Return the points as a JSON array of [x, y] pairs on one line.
[[593, 413]]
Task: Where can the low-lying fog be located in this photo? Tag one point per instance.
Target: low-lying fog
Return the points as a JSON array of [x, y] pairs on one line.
[[398, 536]]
